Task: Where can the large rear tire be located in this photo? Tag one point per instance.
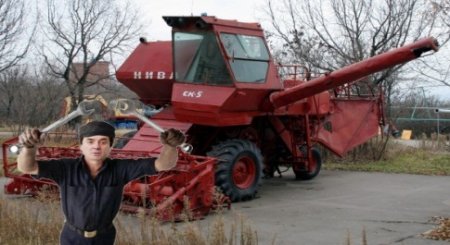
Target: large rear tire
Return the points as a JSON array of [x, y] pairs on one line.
[[239, 170], [314, 167]]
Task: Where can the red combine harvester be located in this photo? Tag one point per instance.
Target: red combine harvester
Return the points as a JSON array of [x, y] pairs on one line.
[[217, 82]]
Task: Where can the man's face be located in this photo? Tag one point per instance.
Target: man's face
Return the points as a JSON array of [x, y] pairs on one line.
[[95, 148]]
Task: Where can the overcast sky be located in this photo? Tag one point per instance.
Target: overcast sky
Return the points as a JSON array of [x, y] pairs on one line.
[[242, 10]]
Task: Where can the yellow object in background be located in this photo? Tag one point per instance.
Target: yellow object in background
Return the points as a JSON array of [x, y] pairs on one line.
[[66, 108], [406, 134]]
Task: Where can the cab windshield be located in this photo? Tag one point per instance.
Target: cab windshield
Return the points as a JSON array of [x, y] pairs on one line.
[[197, 59]]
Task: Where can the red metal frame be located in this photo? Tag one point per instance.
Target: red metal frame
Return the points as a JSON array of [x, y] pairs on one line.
[[189, 188]]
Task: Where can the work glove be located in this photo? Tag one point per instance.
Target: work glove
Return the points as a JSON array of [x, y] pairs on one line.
[[172, 137], [30, 137]]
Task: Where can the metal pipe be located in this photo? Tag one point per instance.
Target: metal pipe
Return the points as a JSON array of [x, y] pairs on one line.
[[354, 72], [438, 110]]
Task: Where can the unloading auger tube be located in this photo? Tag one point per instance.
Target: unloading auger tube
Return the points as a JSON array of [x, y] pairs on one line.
[[128, 107], [84, 108], [354, 72], [438, 110]]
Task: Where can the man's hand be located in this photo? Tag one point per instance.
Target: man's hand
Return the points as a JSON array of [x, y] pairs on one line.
[[172, 137], [30, 137], [26, 160], [168, 157]]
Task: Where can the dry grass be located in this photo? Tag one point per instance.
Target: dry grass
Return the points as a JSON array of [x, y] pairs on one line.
[[29, 221], [349, 241], [428, 157], [39, 221], [218, 232]]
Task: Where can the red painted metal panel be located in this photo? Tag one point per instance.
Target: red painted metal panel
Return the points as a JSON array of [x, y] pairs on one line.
[[231, 23], [246, 100], [314, 105], [200, 97], [219, 119], [148, 72], [215, 106], [353, 122]]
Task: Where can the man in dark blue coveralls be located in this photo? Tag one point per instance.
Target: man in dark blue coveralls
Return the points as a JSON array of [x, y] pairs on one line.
[[91, 186]]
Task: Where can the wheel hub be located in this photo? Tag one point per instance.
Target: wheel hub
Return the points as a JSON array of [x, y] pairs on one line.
[[244, 172]]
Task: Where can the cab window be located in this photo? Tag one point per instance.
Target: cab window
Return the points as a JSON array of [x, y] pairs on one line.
[[247, 55]]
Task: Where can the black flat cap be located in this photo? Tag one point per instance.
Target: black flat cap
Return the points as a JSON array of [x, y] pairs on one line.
[[97, 128]]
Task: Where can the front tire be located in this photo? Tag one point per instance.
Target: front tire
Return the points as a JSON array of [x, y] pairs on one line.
[[239, 170], [314, 167]]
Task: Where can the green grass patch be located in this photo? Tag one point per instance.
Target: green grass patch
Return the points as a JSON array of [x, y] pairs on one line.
[[412, 161]]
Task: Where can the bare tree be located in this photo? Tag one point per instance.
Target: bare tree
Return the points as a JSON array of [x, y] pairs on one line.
[[81, 34], [441, 9], [29, 100], [12, 32], [11, 82], [438, 70], [328, 34]]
